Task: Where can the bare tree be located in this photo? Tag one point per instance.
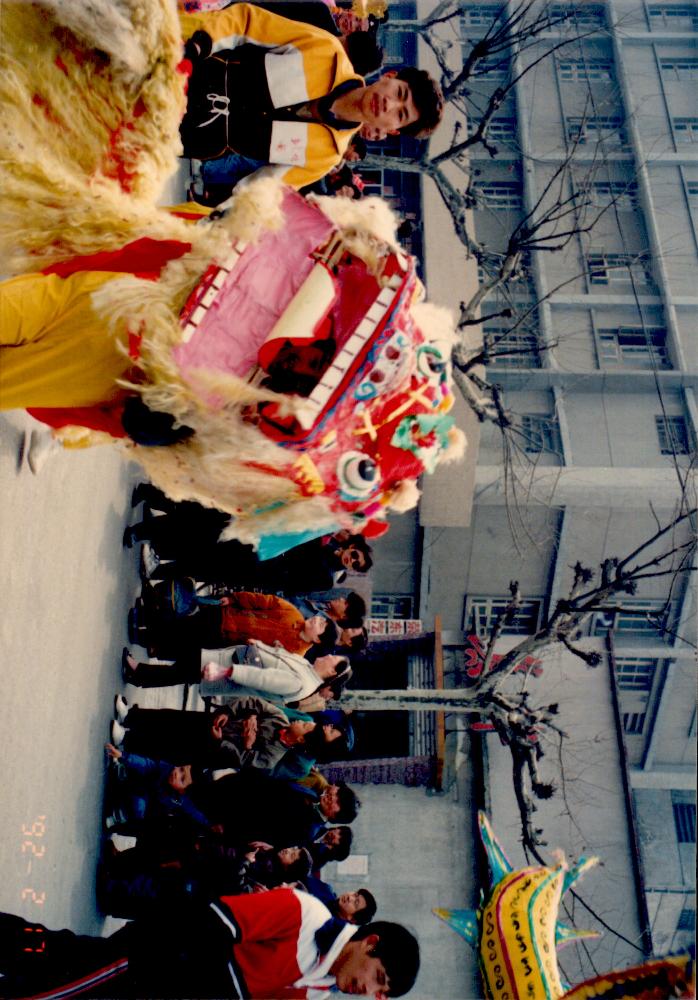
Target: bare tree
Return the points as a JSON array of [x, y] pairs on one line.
[[479, 77], [519, 36], [520, 724]]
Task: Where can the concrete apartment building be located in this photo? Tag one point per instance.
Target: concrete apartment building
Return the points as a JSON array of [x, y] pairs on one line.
[[605, 386]]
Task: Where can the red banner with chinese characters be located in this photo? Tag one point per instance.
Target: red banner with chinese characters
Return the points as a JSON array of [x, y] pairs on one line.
[[474, 656], [394, 626]]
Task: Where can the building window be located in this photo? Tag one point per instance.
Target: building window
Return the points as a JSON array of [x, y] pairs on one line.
[[587, 15], [616, 268], [481, 15], [392, 606], [685, 129], [634, 723], [635, 673], [673, 436], [541, 433], [493, 69], [636, 618], [585, 70], [687, 920], [593, 129], [679, 69], [673, 17], [482, 613], [400, 46], [634, 347], [685, 822], [499, 195], [618, 193], [511, 348], [500, 128], [401, 189]]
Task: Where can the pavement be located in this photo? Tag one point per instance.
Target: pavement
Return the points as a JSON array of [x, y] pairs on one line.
[[66, 584]]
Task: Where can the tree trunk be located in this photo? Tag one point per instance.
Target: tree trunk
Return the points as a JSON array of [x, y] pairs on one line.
[[402, 163], [414, 700]]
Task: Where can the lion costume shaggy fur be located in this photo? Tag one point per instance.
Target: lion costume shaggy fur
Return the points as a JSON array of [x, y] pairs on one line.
[[91, 95]]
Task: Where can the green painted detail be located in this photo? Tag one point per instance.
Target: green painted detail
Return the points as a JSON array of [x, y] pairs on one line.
[[463, 922], [532, 930], [498, 861]]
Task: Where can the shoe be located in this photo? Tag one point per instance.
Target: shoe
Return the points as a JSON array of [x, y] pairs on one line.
[[137, 494], [132, 630], [121, 842], [128, 537], [195, 169], [149, 560], [117, 818], [42, 445], [118, 733], [127, 668], [215, 672], [121, 708]]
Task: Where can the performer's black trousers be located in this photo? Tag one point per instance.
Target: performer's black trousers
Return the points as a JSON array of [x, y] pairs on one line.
[[181, 952]]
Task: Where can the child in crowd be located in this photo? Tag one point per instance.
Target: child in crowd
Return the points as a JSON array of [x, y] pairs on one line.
[[159, 792]]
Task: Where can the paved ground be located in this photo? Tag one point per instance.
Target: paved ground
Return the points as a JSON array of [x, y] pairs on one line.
[[66, 585]]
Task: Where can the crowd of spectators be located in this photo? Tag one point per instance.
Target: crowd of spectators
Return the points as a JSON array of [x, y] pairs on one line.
[[230, 798]]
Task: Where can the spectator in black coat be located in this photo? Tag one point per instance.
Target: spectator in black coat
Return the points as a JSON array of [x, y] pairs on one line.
[[251, 806]]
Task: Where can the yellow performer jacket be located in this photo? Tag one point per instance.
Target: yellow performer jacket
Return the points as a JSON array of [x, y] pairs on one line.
[[300, 63]]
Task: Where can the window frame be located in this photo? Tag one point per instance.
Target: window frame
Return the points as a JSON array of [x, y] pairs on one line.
[[616, 267], [678, 67], [467, 12], [543, 427], [527, 340], [499, 196], [684, 821], [629, 623], [673, 434], [491, 69], [579, 70], [584, 16], [687, 12], [683, 126], [482, 611], [625, 196], [634, 723], [636, 674], [501, 128], [583, 130], [639, 352], [387, 606]]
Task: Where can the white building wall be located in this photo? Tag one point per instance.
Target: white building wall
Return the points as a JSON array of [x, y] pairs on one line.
[[587, 816], [419, 854]]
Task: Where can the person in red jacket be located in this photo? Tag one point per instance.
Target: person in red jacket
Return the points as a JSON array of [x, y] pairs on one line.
[[245, 614], [275, 944]]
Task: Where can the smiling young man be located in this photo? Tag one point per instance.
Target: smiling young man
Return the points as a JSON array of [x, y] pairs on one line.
[[269, 91]]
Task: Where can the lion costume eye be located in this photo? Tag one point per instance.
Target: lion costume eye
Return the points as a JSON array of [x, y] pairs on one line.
[[430, 362], [357, 474]]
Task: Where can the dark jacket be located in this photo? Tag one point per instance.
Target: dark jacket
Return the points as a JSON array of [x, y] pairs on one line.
[[181, 737], [253, 806]]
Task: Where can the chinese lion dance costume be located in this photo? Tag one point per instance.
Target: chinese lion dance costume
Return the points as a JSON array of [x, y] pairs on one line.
[[285, 340], [516, 932]]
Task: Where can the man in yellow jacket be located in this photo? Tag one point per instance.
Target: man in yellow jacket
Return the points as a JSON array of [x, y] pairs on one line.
[[267, 91]]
